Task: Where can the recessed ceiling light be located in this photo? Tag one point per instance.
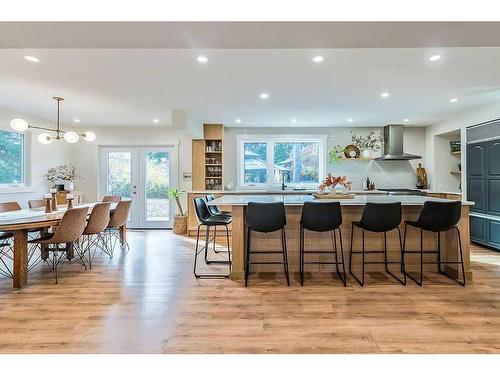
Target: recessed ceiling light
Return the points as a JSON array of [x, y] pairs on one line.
[[350, 120], [202, 59], [434, 58], [238, 120], [294, 120], [76, 120], [264, 95], [318, 59], [32, 59], [406, 120], [385, 95], [453, 100], [156, 121]]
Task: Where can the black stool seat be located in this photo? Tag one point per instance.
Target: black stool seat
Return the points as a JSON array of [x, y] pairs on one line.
[[378, 218], [266, 218], [214, 210], [436, 217], [207, 219], [322, 217]]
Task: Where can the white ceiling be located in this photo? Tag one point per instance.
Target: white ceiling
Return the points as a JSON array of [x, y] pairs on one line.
[[133, 86]]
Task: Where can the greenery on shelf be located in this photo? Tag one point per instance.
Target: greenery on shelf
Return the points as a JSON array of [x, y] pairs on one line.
[[335, 154], [372, 141], [63, 172], [175, 194]]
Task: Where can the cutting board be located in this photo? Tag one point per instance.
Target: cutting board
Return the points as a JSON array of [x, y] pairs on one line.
[[334, 196]]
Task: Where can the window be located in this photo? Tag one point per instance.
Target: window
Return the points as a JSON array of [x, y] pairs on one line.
[[264, 163], [11, 158]]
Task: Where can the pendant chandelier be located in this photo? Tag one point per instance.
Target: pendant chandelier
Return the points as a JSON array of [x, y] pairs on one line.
[[71, 136]]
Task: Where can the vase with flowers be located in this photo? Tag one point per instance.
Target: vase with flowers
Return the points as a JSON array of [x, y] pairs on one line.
[[63, 177], [368, 143]]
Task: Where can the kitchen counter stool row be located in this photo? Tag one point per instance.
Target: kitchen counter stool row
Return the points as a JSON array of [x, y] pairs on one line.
[[380, 218]]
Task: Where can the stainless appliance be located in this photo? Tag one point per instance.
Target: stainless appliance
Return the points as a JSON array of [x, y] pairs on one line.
[[393, 144], [402, 191]]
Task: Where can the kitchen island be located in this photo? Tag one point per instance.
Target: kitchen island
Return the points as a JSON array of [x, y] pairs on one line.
[[351, 210]]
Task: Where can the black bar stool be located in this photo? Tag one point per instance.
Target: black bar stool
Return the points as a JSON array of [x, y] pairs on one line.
[[216, 211], [437, 217], [322, 217], [379, 218], [265, 218], [205, 218]]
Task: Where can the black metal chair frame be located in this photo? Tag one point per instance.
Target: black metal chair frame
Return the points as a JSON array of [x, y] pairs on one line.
[[386, 262], [283, 251], [439, 262], [302, 253], [214, 210], [205, 250]]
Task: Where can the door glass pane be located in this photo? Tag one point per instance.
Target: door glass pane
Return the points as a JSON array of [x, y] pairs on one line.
[[255, 163], [157, 183], [119, 173], [299, 161]]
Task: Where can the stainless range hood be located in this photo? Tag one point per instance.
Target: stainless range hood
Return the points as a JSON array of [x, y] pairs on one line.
[[393, 144]]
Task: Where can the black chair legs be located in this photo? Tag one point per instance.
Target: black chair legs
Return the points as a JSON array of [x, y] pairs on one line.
[[302, 253], [283, 252], [205, 250], [439, 262], [385, 262]]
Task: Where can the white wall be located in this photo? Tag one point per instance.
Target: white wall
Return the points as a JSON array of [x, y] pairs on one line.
[[384, 174], [432, 143], [42, 158]]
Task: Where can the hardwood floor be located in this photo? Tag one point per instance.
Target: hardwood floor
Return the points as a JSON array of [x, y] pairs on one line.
[[147, 301]]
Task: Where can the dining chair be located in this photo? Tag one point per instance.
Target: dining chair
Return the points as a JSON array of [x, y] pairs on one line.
[[6, 244], [36, 203], [111, 198], [118, 219], [93, 237], [63, 242]]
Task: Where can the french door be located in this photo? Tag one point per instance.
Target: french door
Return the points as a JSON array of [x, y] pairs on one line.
[[144, 175]]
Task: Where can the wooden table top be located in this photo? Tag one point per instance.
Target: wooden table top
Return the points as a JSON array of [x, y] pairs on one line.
[[36, 217]]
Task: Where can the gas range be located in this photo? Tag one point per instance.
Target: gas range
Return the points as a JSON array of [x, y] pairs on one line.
[[402, 191]]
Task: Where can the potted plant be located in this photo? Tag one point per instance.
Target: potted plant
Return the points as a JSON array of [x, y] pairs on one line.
[[65, 176], [335, 154], [372, 141], [180, 218]]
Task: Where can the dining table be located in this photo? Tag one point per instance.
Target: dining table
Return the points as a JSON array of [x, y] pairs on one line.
[[20, 222]]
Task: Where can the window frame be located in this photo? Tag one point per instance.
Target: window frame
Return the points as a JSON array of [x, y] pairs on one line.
[[270, 140], [26, 166]]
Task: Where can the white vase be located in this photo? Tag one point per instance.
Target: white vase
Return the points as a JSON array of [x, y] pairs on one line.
[[69, 185], [366, 154]]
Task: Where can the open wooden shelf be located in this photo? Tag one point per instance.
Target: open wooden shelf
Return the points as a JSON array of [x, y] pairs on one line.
[[457, 173], [456, 153], [208, 154], [357, 159]]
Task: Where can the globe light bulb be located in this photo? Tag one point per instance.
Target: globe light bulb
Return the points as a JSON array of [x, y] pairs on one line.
[[18, 124], [89, 136], [44, 138], [71, 137]]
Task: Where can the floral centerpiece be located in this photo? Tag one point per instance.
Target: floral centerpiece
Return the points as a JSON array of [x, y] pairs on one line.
[[64, 175], [372, 141], [331, 181]]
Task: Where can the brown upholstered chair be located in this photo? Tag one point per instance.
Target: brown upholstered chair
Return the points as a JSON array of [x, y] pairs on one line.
[[36, 203], [111, 198], [118, 219], [62, 243], [93, 236]]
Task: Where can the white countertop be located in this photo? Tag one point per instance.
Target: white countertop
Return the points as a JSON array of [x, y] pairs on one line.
[[278, 192], [298, 200]]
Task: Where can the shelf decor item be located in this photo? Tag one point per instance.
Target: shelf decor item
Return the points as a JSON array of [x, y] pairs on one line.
[[335, 154], [371, 142], [455, 147], [352, 152], [180, 218]]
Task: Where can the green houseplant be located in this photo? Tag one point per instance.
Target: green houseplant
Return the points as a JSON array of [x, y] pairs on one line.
[[180, 218]]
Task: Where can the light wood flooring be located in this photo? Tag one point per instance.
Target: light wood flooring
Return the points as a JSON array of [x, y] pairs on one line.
[[146, 300]]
